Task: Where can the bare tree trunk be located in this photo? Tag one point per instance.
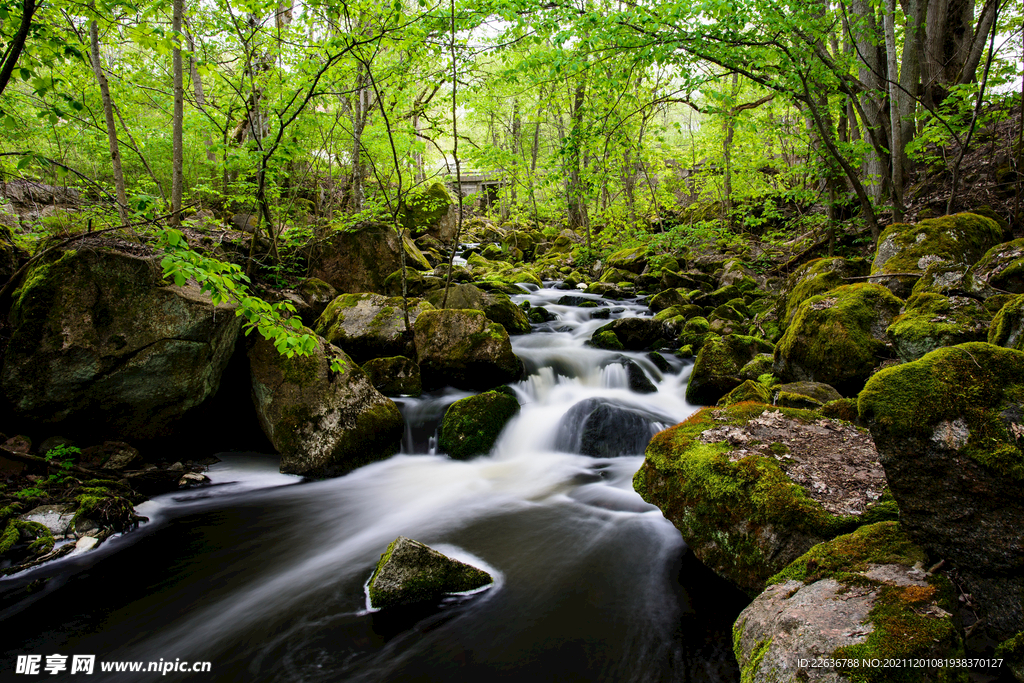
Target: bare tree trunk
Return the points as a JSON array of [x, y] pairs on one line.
[[576, 195], [730, 131], [108, 111], [178, 162], [200, 94], [895, 125], [455, 156], [17, 45]]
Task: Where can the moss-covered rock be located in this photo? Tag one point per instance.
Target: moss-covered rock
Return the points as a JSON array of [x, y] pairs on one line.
[[635, 334], [497, 306], [669, 298], [323, 423], [808, 395], [819, 276], [461, 348], [410, 573], [430, 211], [841, 409], [100, 344], [317, 294], [1007, 328], [369, 326], [931, 320], [615, 276], [752, 487], [760, 364], [472, 425], [394, 376], [838, 337], [858, 597], [1002, 267], [719, 364], [361, 260], [950, 432], [633, 260], [750, 390], [959, 240]]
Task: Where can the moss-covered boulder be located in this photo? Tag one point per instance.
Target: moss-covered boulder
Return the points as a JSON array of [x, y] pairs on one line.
[[322, 422], [1011, 651], [615, 276], [752, 487], [809, 395], [749, 390], [496, 305], [857, 597], [394, 376], [719, 364], [669, 298], [101, 345], [361, 260], [633, 260], [430, 211], [1002, 267], [819, 276], [838, 337], [317, 294], [634, 334], [1007, 328], [931, 320], [369, 326], [461, 348], [11, 255], [950, 432], [411, 573], [904, 250], [472, 425]]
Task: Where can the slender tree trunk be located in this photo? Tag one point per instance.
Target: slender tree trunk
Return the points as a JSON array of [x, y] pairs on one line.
[[108, 111], [200, 95], [730, 130], [576, 194], [178, 162], [455, 156], [895, 125]]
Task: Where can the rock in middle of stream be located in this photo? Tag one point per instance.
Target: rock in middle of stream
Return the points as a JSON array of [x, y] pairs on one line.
[[411, 573]]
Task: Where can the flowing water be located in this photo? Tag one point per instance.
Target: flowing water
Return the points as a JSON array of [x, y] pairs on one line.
[[264, 575]]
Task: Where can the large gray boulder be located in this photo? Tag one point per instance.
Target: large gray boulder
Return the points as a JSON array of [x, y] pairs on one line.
[[950, 433], [323, 423], [411, 573], [859, 597], [100, 344], [463, 349], [369, 326]]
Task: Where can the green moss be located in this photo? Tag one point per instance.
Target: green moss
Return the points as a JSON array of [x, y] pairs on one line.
[[974, 382], [606, 340], [750, 669], [42, 544], [845, 557], [841, 409]]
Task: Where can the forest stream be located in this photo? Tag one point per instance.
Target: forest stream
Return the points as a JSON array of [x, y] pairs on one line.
[[263, 574]]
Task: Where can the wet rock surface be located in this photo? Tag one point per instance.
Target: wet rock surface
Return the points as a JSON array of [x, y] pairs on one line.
[[411, 573]]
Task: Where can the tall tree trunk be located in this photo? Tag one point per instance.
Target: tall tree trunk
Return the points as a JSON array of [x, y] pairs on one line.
[[108, 111], [895, 125], [576, 193], [871, 72], [178, 162], [200, 94], [730, 131]]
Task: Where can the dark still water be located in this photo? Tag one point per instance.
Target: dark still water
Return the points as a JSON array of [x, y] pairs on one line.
[[263, 576]]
